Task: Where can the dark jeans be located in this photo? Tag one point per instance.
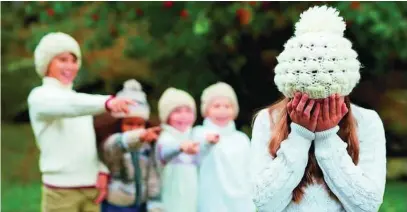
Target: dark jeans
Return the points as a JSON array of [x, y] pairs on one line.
[[107, 207]]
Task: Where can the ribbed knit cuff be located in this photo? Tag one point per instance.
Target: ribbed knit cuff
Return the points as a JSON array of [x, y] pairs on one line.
[[326, 133], [302, 131]]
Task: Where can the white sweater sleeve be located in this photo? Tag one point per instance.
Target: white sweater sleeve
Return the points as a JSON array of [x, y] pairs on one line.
[[274, 179], [51, 104], [167, 148], [358, 187]]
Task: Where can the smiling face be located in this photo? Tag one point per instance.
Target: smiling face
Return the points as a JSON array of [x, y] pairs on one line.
[[182, 118], [64, 67], [221, 111]]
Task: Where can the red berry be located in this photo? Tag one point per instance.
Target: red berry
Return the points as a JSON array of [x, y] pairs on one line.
[[168, 4], [355, 5], [50, 12], [139, 12], [184, 13], [240, 12], [253, 3], [95, 17]]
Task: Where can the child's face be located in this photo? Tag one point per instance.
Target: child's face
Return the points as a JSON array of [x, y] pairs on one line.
[[133, 123], [64, 67], [182, 118], [221, 111]]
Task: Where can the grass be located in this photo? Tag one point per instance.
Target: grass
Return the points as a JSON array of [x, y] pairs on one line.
[[21, 182]]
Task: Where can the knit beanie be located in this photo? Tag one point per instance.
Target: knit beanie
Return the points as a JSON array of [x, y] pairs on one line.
[[51, 45], [171, 99], [133, 90], [318, 60], [219, 89]]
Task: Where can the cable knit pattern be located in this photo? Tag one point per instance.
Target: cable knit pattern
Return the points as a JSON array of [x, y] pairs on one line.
[[318, 60], [358, 188]]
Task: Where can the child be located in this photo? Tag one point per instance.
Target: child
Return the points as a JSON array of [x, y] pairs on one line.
[[175, 151], [224, 157], [120, 148], [61, 119]]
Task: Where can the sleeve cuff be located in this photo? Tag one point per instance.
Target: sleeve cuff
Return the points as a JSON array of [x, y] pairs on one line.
[[326, 133], [299, 130]]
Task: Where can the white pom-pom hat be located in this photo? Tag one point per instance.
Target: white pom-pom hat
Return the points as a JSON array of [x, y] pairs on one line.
[[318, 60], [171, 99], [219, 89], [51, 45], [133, 90]]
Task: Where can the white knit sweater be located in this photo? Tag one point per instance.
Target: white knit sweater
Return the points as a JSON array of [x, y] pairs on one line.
[[358, 187], [63, 127]]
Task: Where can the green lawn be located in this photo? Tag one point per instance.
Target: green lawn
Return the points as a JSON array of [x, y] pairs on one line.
[[21, 183]]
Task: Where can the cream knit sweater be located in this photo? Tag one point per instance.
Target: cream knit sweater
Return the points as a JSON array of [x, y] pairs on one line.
[[63, 127], [358, 187]]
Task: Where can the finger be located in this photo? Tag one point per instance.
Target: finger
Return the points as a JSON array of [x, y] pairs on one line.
[[101, 197], [301, 104], [130, 102], [325, 109], [308, 109], [315, 114], [344, 109], [124, 108], [156, 129], [289, 106], [296, 99], [332, 105], [339, 103]]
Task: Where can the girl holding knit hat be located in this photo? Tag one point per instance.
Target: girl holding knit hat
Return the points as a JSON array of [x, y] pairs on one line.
[[120, 137], [63, 126], [314, 150], [176, 152], [224, 156]]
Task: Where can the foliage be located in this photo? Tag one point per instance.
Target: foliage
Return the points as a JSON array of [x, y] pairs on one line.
[[192, 44]]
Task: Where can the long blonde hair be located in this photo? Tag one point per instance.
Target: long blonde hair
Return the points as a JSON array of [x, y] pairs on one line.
[[313, 173]]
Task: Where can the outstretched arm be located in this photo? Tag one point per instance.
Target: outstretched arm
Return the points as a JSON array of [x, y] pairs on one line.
[[56, 104]]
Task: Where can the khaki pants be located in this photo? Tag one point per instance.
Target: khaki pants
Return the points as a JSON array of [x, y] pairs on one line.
[[69, 200]]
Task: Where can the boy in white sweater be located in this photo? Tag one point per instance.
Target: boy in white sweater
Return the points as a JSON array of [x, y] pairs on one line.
[[63, 127]]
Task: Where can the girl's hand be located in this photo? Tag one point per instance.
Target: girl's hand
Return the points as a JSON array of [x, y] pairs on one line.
[[212, 138], [333, 110], [190, 147], [150, 134], [300, 112]]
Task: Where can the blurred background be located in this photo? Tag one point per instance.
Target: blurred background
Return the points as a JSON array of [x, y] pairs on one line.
[[190, 45]]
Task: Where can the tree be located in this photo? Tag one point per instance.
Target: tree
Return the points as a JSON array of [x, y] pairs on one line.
[[192, 44]]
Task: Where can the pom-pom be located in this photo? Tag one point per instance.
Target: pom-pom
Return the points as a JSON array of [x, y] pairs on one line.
[[320, 19], [132, 85]]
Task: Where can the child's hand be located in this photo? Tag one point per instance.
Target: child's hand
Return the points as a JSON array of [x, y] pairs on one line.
[[150, 134], [212, 138], [119, 105], [101, 186], [190, 147]]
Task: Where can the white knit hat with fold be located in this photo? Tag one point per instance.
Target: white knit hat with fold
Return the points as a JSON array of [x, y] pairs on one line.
[[132, 90], [219, 89], [171, 99], [51, 45], [318, 60]]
